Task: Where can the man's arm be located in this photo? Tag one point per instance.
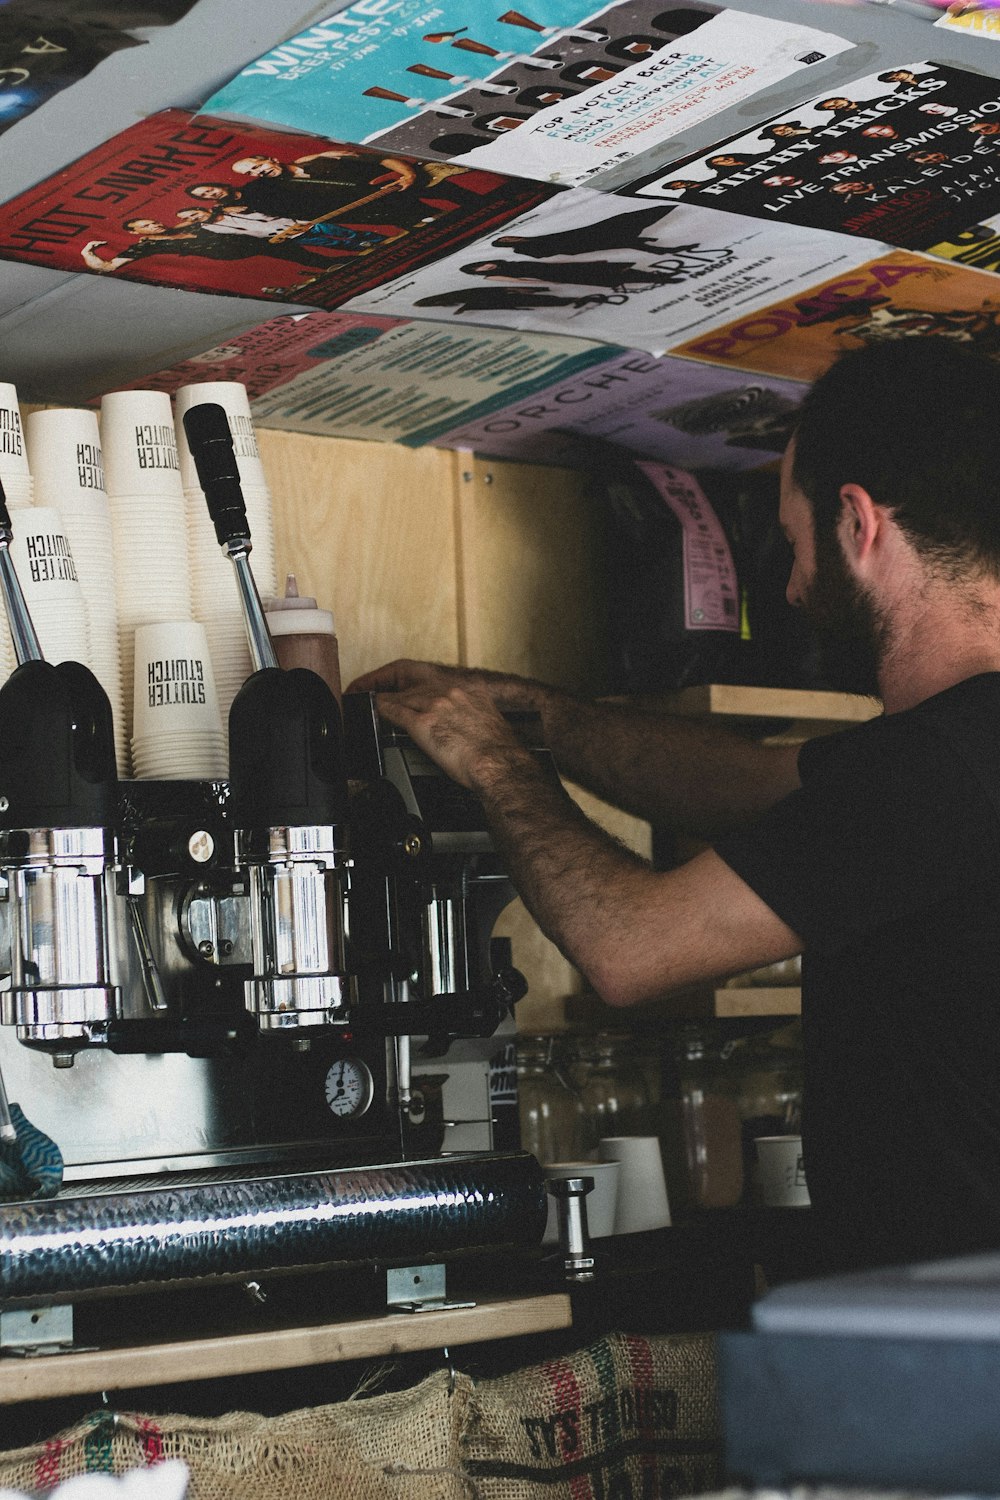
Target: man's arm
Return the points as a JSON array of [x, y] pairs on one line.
[[679, 773], [95, 262], [633, 932]]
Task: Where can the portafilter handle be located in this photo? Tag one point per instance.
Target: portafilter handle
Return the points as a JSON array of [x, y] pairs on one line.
[[27, 646], [210, 440]]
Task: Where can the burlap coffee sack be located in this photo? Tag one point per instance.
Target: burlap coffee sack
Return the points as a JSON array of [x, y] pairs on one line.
[[399, 1446], [628, 1418]]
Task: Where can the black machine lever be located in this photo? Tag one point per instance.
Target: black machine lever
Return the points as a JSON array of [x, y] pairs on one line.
[[211, 444], [285, 738]]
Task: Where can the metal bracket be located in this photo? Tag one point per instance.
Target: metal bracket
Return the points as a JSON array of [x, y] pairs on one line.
[[417, 1289], [29, 1331]]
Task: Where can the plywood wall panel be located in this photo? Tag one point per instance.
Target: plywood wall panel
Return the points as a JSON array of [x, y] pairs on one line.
[[368, 528], [531, 558]]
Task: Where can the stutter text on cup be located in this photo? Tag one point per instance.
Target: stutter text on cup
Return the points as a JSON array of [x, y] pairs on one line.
[[156, 446], [11, 437], [175, 679], [49, 558], [90, 466]]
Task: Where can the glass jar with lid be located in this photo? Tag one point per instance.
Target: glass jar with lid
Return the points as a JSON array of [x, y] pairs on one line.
[[548, 1108], [614, 1094], [699, 1120]]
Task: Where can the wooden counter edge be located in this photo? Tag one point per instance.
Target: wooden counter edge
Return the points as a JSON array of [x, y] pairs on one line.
[[46, 1376]]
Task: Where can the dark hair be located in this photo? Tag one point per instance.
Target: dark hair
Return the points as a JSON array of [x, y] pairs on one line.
[[914, 422]]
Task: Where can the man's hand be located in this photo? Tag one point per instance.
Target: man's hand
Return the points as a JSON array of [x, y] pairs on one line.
[[508, 693], [458, 726]]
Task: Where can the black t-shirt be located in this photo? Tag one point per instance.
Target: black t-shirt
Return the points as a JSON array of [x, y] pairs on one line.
[[887, 865]]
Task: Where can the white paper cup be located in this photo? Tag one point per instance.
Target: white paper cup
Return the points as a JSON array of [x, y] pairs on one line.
[[642, 1188], [140, 444], [13, 447], [173, 682], [65, 457], [601, 1201], [781, 1177], [232, 397]]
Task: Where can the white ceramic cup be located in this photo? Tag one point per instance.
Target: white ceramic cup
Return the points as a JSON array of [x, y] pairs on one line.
[[781, 1177], [642, 1187], [140, 445], [601, 1201]]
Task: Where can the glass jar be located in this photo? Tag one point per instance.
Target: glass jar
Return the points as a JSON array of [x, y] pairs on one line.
[[699, 1122], [614, 1095], [548, 1109], [769, 1088]]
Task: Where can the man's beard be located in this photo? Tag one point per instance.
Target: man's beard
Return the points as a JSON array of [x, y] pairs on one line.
[[850, 630]]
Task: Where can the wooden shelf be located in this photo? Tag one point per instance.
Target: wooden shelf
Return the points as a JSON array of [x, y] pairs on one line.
[[156, 1363], [757, 1000], [772, 703]]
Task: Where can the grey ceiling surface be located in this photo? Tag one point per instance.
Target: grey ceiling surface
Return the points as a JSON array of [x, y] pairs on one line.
[[66, 336]]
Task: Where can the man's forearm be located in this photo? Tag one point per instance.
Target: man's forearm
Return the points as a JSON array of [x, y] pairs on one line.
[[679, 773], [572, 875]]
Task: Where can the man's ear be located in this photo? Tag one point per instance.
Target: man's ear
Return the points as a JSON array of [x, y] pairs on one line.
[[861, 521]]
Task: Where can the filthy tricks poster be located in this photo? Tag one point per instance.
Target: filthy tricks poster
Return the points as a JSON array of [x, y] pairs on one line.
[[205, 205], [910, 155]]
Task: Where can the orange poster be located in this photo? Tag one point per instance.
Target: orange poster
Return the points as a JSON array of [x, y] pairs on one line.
[[891, 297]]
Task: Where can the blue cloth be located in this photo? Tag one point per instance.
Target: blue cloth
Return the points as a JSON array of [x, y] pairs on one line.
[[31, 1166]]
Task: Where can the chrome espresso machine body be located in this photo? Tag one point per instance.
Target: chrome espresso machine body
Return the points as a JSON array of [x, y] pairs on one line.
[[254, 993]]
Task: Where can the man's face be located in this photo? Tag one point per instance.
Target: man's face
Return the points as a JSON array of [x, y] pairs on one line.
[[258, 166], [850, 630]]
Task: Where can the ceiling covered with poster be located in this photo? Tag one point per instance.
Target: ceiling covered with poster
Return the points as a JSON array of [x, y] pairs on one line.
[[440, 221]]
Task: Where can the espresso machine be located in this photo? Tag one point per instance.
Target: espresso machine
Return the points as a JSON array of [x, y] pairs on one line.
[[234, 1003]]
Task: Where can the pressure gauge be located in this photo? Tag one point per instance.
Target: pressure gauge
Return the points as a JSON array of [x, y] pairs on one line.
[[349, 1088]]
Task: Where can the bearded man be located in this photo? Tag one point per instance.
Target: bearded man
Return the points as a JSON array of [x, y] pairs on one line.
[[874, 852]]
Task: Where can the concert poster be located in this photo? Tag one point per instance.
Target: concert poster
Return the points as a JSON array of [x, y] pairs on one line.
[[697, 416], [559, 92], [410, 382], [977, 246], [910, 156], [599, 266], [896, 296], [271, 354], [44, 48], [206, 205]]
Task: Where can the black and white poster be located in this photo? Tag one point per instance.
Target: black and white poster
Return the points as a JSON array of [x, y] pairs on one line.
[[909, 156]]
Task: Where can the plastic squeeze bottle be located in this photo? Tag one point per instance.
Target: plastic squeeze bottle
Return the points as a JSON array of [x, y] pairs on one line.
[[304, 636]]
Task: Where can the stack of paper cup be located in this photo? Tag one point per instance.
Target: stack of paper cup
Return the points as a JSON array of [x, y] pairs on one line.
[[64, 451], [147, 516], [178, 733], [15, 470], [46, 571], [18, 490], [215, 595]]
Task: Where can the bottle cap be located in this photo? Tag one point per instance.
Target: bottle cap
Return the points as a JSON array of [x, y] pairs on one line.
[[296, 614]]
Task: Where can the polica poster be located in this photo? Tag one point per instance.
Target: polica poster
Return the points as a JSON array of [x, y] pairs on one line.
[[901, 295]]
